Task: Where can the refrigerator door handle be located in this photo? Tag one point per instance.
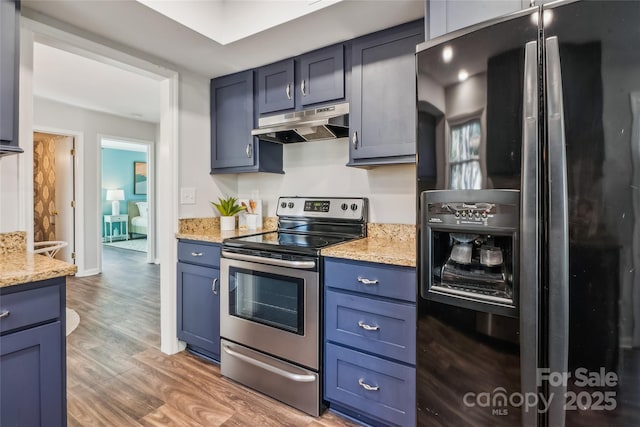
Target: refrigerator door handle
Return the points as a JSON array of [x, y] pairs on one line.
[[529, 241], [558, 234]]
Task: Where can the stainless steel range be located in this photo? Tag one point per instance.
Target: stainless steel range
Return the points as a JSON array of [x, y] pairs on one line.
[[271, 298]]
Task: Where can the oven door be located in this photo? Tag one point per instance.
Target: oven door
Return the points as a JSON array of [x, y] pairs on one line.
[[271, 308]]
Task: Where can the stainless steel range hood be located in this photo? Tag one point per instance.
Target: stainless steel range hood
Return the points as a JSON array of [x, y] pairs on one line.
[[329, 122]]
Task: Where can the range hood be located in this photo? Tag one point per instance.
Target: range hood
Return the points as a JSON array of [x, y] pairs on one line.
[[329, 122]]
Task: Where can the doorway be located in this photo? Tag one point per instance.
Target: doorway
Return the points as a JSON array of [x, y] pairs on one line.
[[54, 192], [127, 195]]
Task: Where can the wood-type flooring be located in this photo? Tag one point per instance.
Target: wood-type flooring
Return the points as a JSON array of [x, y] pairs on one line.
[[117, 376]]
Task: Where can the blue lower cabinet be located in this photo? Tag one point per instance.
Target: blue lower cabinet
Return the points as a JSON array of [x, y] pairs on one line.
[[33, 354], [381, 390], [31, 371], [199, 309], [370, 341]]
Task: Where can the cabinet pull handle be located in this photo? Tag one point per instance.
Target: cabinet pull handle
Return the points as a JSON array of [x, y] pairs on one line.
[[196, 253], [367, 386], [354, 140], [5, 313], [366, 281], [288, 90], [368, 327], [248, 150], [214, 286], [302, 88]]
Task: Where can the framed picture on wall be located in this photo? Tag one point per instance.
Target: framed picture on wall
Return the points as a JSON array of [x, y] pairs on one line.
[[139, 178]]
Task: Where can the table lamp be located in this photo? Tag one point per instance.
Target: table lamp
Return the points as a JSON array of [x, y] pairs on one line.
[[114, 196]]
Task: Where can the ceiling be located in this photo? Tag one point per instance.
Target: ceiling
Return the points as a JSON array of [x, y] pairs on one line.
[[209, 38]]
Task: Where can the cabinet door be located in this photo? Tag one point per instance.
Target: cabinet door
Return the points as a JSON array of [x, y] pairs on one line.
[[322, 75], [199, 308], [232, 121], [32, 372], [8, 70], [383, 97], [275, 87], [447, 15]]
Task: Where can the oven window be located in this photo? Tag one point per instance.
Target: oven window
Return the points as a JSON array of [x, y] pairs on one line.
[[270, 299]]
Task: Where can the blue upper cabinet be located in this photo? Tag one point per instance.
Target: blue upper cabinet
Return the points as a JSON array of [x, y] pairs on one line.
[[233, 149], [446, 16], [322, 75], [9, 63], [276, 87], [295, 83], [383, 96]]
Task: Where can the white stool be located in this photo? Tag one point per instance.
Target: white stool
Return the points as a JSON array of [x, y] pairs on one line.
[[50, 248]]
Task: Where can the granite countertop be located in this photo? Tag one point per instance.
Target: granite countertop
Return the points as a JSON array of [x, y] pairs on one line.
[[382, 250], [21, 267], [208, 229], [217, 236], [386, 243]]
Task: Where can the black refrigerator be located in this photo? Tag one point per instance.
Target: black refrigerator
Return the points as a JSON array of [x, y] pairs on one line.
[[528, 184]]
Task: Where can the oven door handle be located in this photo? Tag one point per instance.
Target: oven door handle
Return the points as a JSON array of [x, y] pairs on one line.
[[260, 364], [270, 261]]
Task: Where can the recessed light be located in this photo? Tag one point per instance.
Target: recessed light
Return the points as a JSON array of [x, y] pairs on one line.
[[463, 75], [447, 54]]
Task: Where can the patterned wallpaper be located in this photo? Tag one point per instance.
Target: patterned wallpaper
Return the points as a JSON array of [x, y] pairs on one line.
[[44, 186]]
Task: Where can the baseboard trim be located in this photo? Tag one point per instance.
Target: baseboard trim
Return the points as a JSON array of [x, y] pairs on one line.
[[85, 273]]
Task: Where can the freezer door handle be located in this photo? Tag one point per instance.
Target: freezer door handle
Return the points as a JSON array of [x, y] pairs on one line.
[[530, 233], [558, 233]]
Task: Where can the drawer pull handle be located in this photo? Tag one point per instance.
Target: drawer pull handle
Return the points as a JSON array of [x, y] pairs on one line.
[[367, 386], [365, 281], [196, 253], [368, 327], [214, 286], [5, 313]]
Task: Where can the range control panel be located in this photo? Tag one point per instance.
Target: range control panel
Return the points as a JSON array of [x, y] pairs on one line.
[[323, 207]]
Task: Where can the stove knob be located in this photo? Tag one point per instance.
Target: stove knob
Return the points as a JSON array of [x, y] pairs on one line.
[[464, 214], [344, 206], [291, 205], [457, 214], [354, 207], [283, 205], [484, 214]]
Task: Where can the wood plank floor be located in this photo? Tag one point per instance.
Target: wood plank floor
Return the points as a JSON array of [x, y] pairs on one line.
[[117, 376]]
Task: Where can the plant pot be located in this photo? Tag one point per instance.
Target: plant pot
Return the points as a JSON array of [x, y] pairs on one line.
[[227, 223]]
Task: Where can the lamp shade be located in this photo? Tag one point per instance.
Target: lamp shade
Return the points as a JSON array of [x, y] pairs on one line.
[[115, 195]]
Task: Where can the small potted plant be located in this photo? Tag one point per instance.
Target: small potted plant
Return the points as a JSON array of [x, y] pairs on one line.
[[228, 209]]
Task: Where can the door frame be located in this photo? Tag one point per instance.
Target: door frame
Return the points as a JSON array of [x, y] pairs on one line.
[[151, 191], [78, 183], [167, 147]]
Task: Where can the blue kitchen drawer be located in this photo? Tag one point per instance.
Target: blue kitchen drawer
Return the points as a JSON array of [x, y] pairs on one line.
[[391, 397], [389, 281], [30, 307], [199, 253], [385, 328]]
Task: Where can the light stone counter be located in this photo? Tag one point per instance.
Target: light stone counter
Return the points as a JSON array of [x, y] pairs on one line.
[[376, 249], [21, 267], [387, 243], [208, 229], [18, 267]]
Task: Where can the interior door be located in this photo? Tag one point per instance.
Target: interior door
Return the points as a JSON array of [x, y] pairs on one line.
[[65, 196]]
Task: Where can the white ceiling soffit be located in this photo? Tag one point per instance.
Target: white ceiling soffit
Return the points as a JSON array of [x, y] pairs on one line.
[[76, 80], [132, 25], [227, 21], [117, 144]]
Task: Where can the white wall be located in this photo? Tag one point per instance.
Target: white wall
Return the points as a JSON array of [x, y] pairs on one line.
[[51, 114], [318, 169], [195, 149]]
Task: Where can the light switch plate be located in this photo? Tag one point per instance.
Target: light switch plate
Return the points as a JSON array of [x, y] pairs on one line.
[[187, 196]]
